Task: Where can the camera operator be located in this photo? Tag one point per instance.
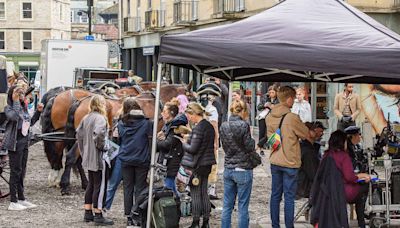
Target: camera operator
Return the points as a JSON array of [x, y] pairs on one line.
[[359, 160]]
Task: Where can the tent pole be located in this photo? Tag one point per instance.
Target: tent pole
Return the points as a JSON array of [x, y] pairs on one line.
[[230, 98], [153, 148]]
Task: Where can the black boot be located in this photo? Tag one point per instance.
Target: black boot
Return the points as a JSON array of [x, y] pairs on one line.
[[206, 224], [195, 223], [99, 220], [88, 216]]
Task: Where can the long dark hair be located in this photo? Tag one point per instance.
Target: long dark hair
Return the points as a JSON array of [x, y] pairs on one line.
[[337, 141], [129, 104]]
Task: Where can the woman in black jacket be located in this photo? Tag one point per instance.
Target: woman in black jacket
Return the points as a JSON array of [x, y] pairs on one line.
[[16, 140], [169, 146], [238, 174], [199, 156]]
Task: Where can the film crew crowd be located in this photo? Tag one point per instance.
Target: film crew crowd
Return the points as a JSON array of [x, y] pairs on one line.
[[188, 147]]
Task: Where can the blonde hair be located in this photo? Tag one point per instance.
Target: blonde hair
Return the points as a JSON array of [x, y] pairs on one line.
[[285, 93], [301, 89], [238, 106], [98, 104], [194, 108]]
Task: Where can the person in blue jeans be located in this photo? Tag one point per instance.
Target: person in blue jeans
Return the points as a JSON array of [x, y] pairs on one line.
[[113, 183], [238, 174], [286, 159], [170, 146]]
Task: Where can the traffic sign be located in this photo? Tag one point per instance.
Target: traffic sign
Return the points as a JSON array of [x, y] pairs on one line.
[[89, 37], [148, 50]]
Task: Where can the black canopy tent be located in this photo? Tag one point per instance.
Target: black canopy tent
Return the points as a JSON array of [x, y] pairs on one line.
[[294, 41], [302, 40]]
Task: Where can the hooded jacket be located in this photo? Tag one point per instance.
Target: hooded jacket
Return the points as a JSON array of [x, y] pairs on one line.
[[288, 155], [135, 134], [237, 143], [91, 134], [171, 147]]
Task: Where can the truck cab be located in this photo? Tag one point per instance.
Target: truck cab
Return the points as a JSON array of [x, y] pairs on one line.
[[85, 77]]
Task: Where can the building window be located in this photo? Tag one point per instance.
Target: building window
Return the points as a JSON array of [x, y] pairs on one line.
[[2, 41], [27, 40], [84, 18], [27, 10], [29, 71], [2, 10]]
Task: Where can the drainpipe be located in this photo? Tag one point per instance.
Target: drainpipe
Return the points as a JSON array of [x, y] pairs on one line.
[[120, 6]]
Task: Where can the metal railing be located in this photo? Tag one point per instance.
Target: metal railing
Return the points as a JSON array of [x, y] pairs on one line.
[[154, 19], [132, 24], [186, 11], [229, 6]]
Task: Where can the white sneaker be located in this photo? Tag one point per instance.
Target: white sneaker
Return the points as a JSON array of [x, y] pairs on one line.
[[16, 207], [26, 204]]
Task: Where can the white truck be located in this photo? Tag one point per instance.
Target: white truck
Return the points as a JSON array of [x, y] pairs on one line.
[[60, 58]]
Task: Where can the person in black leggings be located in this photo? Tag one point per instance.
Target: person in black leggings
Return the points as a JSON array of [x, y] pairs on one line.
[[91, 135], [16, 140], [199, 156]]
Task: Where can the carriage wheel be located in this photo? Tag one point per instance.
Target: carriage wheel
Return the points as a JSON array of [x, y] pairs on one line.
[[4, 177]]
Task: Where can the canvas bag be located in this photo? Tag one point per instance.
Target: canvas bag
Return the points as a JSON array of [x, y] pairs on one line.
[[275, 140]]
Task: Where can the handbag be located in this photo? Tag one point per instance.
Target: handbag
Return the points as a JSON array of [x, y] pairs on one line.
[[254, 157], [275, 140]]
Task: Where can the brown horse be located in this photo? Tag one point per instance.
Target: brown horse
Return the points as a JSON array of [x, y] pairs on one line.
[[54, 119], [58, 110]]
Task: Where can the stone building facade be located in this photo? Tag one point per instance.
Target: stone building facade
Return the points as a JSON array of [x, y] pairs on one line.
[[25, 23]]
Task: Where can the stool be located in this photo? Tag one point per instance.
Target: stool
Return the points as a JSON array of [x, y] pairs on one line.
[[304, 210]]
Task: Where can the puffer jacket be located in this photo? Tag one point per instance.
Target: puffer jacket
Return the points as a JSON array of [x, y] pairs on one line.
[[171, 147], [199, 151], [237, 143]]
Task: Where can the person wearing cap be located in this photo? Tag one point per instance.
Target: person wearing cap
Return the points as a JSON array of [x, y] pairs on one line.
[[199, 156], [309, 160], [208, 93], [355, 150], [347, 107]]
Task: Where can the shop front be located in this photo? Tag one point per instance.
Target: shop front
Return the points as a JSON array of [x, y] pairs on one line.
[[27, 63]]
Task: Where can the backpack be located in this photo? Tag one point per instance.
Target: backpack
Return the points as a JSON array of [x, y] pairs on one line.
[[165, 213]]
